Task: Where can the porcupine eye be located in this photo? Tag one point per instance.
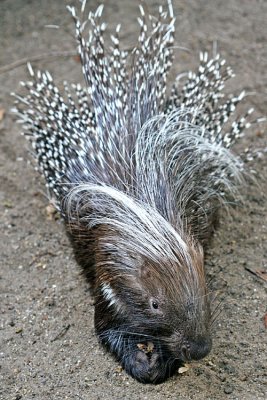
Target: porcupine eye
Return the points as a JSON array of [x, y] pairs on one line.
[[154, 305]]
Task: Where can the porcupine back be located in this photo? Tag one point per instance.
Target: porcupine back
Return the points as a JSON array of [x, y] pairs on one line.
[[122, 131], [139, 176]]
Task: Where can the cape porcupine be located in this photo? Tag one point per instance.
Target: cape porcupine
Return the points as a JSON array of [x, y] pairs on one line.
[[138, 178]]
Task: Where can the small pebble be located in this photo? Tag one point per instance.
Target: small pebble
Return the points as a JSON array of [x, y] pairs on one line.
[[228, 389]]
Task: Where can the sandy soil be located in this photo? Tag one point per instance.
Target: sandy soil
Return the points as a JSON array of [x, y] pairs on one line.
[[48, 347]]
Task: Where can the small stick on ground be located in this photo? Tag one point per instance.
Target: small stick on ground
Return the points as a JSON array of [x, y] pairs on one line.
[[260, 273], [63, 332], [39, 57], [44, 253]]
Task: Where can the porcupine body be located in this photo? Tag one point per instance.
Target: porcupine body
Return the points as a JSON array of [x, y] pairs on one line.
[[138, 178]]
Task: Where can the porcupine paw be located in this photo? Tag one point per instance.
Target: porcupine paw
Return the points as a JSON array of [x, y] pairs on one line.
[[147, 365]]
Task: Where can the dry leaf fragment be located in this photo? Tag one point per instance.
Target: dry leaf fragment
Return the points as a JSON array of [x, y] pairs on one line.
[[211, 363], [260, 133], [183, 369], [51, 212], [141, 346], [8, 204], [265, 320], [150, 347], [146, 348]]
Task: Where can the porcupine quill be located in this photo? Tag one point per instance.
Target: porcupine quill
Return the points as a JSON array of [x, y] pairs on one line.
[[139, 177]]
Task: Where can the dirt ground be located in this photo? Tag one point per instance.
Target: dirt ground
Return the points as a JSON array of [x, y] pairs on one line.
[[48, 347]]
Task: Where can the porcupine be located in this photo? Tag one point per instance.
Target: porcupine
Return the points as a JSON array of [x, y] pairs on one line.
[[138, 177]]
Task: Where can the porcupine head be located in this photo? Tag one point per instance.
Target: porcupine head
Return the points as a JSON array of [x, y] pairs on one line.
[[151, 305], [138, 180]]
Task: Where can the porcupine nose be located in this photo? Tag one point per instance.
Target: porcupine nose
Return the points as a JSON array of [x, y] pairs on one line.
[[197, 348]]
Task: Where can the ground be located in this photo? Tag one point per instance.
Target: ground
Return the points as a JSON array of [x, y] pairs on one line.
[[48, 346]]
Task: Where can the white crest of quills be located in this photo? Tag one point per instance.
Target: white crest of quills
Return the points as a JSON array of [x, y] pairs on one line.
[[139, 170]]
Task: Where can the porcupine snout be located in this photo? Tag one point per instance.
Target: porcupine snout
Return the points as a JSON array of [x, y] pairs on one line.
[[197, 348]]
